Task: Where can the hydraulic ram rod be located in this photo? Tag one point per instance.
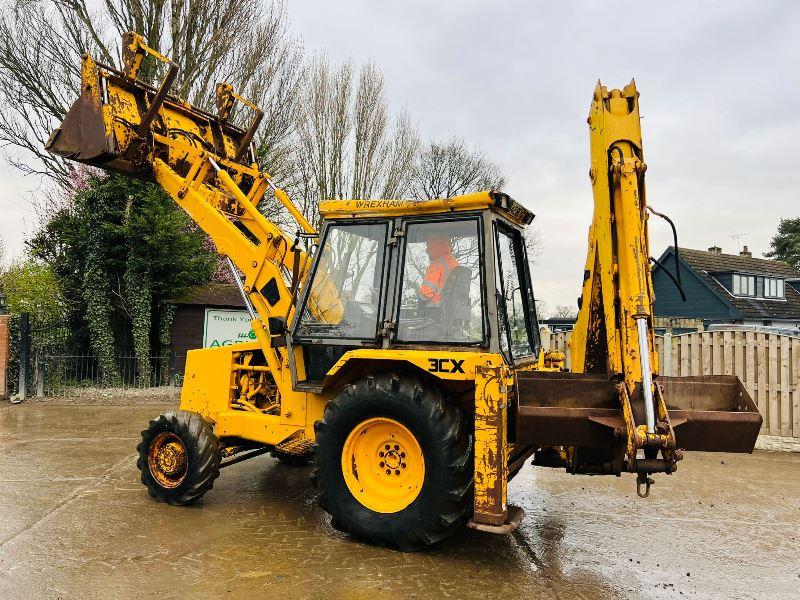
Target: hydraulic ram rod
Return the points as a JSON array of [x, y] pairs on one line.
[[647, 374]]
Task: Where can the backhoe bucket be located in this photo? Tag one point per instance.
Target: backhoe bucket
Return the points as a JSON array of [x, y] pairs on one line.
[[709, 413]]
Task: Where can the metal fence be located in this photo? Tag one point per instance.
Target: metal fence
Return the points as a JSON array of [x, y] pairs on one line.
[[46, 359], [57, 374], [767, 363]]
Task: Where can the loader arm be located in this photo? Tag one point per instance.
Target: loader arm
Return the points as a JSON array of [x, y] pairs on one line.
[[206, 164]]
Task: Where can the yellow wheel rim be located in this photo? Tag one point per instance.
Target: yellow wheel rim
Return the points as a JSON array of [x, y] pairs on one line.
[[167, 460], [383, 465]]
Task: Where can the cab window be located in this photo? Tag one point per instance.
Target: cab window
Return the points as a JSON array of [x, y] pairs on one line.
[[343, 300], [514, 297], [440, 283]]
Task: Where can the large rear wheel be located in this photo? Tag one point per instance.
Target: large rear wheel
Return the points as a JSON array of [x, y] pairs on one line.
[[179, 457], [393, 463]]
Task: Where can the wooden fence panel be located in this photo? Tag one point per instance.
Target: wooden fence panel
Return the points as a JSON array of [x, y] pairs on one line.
[[685, 364], [738, 346], [705, 352], [727, 354], [762, 360], [675, 357], [786, 401], [716, 353], [660, 352], [773, 410], [750, 360], [768, 364]]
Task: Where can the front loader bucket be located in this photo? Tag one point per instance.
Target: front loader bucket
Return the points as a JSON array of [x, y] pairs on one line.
[[123, 124], [709, 413], [82, 136]]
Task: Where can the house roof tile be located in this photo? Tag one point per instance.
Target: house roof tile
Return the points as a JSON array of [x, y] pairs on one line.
[[707, 264], [726, 263], [212, 294]]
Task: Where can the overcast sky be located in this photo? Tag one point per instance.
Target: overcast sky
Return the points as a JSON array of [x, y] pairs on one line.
[[720, 99]]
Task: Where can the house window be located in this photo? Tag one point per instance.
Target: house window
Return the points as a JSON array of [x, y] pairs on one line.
[[773, 288], [744, 285]]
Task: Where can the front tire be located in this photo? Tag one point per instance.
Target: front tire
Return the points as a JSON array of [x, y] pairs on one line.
[[179, 457], [393, 463]]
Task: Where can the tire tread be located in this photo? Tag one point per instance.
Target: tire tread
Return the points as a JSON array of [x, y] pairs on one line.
[[449, 506]]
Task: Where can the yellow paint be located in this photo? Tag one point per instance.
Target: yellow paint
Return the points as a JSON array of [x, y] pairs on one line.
[[617, 287], [423, 360], [247, 391], [618, 258], [493, 381], [383, 465], [208, 382], [332, 209], [207, 185]]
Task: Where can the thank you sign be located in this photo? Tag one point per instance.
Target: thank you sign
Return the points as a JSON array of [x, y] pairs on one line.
[[225, 327]]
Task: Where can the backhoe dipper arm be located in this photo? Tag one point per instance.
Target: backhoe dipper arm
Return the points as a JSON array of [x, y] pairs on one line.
[[206, 163], [614, 330]]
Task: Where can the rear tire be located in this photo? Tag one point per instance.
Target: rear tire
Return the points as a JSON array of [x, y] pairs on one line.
[[388, 514], [179, 457]]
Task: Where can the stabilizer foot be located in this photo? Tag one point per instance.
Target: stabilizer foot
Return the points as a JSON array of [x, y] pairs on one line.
[[515, 514]]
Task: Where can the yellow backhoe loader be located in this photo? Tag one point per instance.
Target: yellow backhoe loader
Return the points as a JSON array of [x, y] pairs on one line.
[[403, 355]]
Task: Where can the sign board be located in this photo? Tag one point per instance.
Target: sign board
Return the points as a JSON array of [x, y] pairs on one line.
[[224, 327]]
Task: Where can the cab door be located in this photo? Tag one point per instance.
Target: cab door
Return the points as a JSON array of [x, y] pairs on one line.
[[518, 328], [439, 297], [343, 301]]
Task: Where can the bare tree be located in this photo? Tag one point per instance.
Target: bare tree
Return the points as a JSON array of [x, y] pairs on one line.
[[563, 311], [542, 309], [242, 42], [345, 142], [533, 244], [443, 170]]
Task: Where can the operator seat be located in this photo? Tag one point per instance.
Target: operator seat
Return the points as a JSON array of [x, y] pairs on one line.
[[455, 309]]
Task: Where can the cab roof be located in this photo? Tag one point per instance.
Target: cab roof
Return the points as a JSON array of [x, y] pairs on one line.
[[497, 201]]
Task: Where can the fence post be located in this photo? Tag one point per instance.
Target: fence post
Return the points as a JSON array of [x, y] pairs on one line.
[[568, 350], [4, 348], [24, 352], [544, 336], [667, 369], [39, 376], [172, 357]]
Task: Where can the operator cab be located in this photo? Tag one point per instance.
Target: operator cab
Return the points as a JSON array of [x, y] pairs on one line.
[[417, 275]]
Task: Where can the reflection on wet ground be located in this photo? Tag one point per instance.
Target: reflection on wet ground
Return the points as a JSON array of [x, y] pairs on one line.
[[76, 523]]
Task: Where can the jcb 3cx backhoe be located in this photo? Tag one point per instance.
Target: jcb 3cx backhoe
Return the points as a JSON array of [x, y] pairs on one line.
[[404, 356]]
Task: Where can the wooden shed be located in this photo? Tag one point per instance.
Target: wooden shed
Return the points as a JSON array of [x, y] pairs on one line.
[[190, 316]]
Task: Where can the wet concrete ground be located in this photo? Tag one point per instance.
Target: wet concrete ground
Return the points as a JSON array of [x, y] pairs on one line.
[[76, 523]]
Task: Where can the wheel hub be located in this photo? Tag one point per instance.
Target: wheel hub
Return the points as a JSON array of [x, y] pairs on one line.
[[383, 465], [167, 460]]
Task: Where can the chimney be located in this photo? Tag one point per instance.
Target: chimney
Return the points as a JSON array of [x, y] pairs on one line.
[[746, 252], [715, 250]]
